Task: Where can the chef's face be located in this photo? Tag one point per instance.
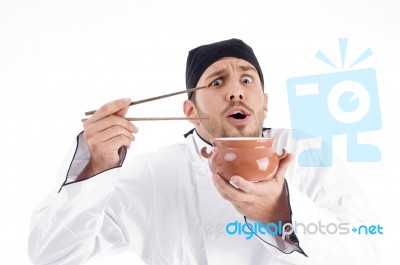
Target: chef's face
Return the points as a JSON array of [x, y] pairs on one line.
[[234, 103]]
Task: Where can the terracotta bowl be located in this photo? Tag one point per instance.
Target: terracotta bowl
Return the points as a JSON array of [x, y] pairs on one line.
[[252, 158]]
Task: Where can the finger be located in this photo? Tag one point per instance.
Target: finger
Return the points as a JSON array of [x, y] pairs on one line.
[[118, 141], [236, 204], [105, 123], [110, 108], [233, 194], [115, 143], [244, 185], [283, 165], [110, 133], [122, 112]]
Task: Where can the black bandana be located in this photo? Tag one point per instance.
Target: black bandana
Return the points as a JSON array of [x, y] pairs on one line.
[[200, 58]]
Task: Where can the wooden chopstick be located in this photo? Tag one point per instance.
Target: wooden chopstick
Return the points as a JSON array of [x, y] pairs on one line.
[[160, 119], [156, 98]]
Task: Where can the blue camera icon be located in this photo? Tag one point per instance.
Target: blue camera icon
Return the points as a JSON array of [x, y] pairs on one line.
[[325, 105]]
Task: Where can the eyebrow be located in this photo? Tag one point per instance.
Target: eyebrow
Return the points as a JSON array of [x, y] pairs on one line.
[[216, 73], [223, 70], [247, 68]]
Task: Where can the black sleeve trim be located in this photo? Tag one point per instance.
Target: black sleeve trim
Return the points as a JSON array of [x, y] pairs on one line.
[[69, 168], [301, 251]]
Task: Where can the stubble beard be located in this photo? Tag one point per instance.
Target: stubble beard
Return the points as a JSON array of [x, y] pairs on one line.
[[215, 128]]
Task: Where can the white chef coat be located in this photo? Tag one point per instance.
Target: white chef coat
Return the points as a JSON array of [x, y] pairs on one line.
[[165, 206]]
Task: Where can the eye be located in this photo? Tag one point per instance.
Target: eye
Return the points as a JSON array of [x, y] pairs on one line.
[[216, 82], [247, 80]]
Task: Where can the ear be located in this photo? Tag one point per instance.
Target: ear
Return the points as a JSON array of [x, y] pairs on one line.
[[190, 111], [266, 103]]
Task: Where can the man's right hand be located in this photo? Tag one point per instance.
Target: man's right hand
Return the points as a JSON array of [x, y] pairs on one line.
[[105, 132]]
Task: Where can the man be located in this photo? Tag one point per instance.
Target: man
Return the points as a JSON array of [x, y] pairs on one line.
[[169, 208]]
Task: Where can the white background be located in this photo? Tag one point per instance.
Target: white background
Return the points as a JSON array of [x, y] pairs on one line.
[[61, 58]]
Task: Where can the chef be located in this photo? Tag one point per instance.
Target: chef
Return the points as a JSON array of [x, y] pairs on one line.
[[170, 209]]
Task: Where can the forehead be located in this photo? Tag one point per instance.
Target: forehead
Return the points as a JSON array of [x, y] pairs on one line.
[[225, 63]]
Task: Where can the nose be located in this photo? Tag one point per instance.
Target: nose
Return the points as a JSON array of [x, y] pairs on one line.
[[235, 94]]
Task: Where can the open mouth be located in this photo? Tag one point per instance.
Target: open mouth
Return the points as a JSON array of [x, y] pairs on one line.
[[238, 115]]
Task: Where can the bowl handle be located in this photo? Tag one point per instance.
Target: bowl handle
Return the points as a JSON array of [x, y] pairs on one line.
[[283, 155], [204, 153]]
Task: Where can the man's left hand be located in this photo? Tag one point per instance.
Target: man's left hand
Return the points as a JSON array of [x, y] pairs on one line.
[[264, 201]]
